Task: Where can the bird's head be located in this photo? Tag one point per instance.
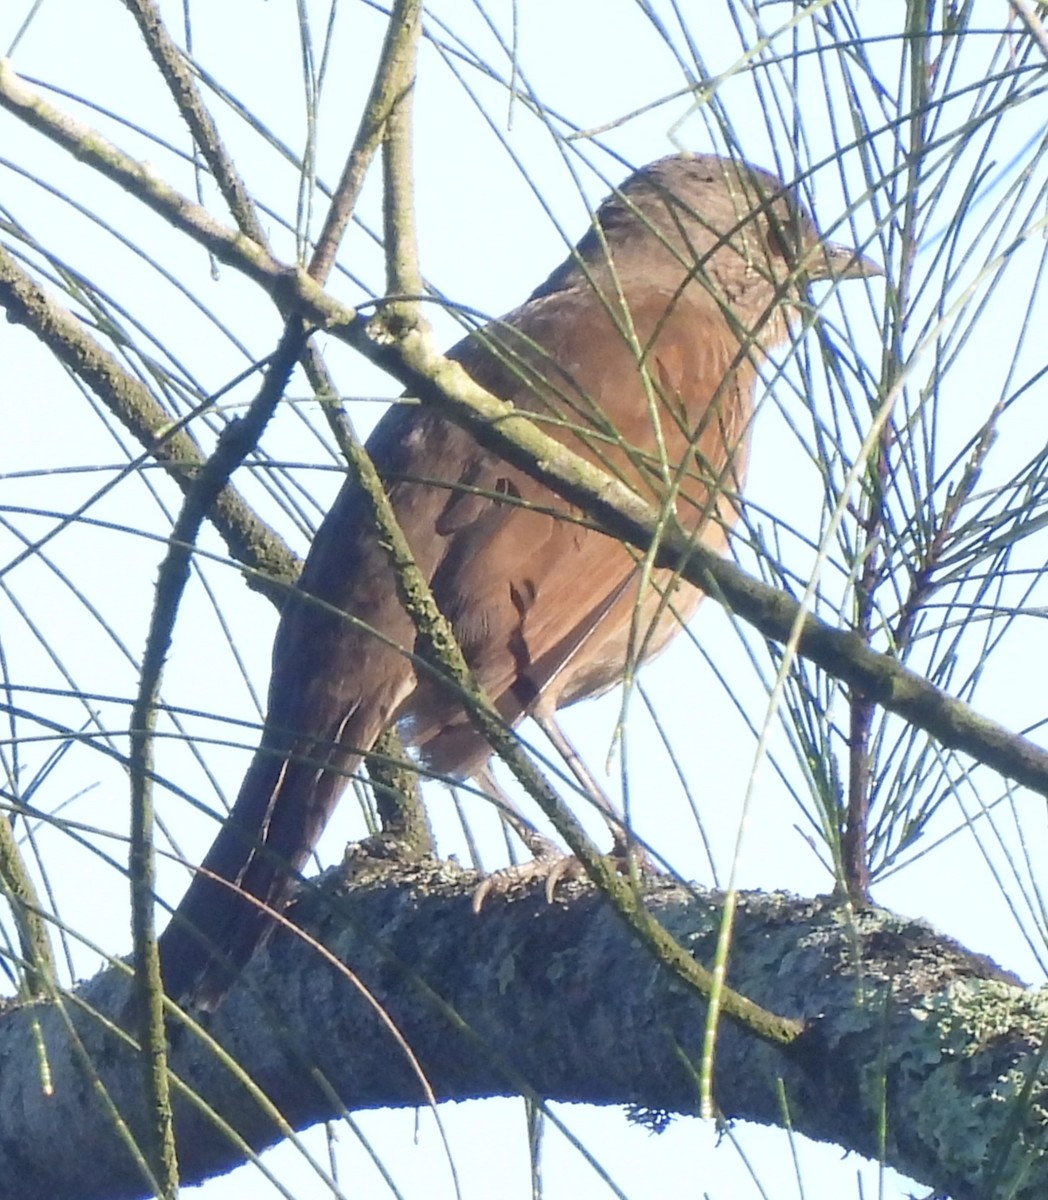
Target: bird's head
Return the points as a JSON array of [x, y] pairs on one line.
[[693, 221]]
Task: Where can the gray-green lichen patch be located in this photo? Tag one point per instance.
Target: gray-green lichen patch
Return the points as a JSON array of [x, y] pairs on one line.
[[971, 1064]]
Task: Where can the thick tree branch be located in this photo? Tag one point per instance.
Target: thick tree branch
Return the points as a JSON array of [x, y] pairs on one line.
[[842, 653], [898, 1018]]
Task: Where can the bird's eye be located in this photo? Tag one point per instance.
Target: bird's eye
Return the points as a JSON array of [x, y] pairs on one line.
[[786, 237], [781, 241]]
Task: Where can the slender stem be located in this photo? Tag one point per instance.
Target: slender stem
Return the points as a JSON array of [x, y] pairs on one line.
[[237, 441], [248, 539], [182, 85], [395, 73], [403, 275], [18, 889]]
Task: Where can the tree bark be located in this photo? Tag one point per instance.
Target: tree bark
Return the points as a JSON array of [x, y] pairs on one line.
[[558, 999]]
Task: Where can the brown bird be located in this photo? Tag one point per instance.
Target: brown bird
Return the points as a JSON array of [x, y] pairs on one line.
[[640, 352]]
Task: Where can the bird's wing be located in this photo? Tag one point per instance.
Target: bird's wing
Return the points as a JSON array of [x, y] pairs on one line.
[[539, 599]]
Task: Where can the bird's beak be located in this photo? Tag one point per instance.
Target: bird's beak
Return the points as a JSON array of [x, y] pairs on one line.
[[842, 262]]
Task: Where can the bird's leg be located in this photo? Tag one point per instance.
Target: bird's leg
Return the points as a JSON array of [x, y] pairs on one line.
[[564, 746], [550, 863], [624, 846], [538, 845]]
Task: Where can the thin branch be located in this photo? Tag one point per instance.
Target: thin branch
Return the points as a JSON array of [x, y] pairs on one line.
[[403, 274], [1033, 24], [249, 540], [16, 884], [237, 441], [396, 70], [393, 75], [182, 85]]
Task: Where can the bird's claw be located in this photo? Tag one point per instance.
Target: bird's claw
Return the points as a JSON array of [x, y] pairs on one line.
[[551, 866], [554, 867]]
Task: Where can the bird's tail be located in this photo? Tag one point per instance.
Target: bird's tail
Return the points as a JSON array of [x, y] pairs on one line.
[[226, 914]]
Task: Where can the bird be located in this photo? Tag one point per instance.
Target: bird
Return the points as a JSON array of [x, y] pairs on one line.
[[641, 353]]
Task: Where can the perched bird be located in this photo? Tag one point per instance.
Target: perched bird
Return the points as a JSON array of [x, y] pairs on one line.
[[639, 352]]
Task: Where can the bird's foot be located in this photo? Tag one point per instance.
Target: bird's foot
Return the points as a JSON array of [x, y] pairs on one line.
[[550, 864], [554, 867]]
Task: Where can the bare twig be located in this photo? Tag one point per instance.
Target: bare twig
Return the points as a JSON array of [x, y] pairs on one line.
[[1034, 26], [237, 441], [182, 85], [396, 70], [249, 540]]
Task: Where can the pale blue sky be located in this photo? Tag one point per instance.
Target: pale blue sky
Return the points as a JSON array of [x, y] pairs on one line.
[[485, 243]]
